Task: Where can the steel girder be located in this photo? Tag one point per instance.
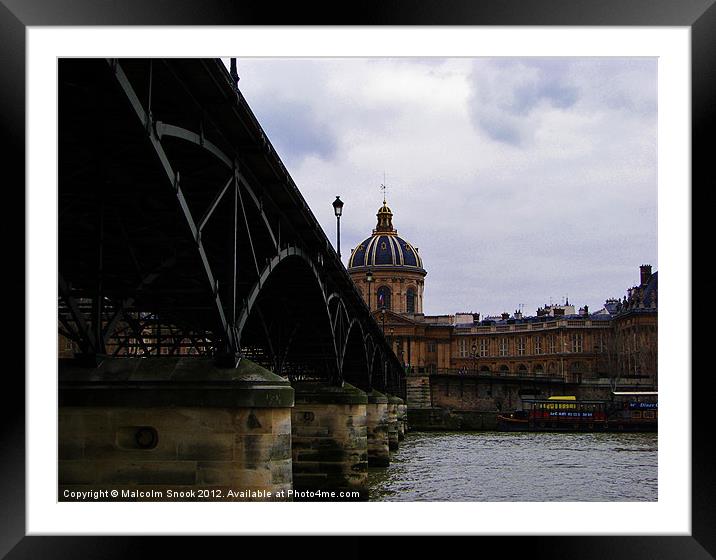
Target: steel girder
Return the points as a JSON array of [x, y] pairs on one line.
[[264, 219]]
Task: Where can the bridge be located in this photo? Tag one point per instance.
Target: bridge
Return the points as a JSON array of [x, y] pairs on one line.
[[218, 339]]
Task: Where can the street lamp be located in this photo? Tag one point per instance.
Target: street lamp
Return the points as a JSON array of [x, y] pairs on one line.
[[474, 358], [338, 210], [382, 313], [369, 279]]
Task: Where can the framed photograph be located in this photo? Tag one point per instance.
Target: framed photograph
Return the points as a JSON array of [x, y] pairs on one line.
[[263, 255]]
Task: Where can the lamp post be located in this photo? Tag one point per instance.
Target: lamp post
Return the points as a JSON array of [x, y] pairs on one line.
[[382, 313], [338, 210], [474, 358], [369, 279], [390, 333]]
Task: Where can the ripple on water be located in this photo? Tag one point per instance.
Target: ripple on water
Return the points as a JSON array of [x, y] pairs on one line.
[[495, 466]]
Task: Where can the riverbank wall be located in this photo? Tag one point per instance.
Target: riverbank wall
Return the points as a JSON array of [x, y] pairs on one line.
[[471, 403]]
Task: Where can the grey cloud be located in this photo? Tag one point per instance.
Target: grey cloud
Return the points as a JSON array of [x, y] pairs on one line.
[[500, 129], [506, 91], [295, 130], [527, 96]]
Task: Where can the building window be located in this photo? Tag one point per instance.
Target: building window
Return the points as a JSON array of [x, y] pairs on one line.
[[483, 347], [601, 345], [538, 345], [410, 301], [462, 347], [550, 344], [503, 347], [431, 346], [538, 369], [577, 342], [521, 346], [384, 297]]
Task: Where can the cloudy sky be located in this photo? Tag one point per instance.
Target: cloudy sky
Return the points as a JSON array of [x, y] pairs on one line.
[[521, 180]]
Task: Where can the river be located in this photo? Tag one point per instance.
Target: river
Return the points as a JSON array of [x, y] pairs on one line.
[[519, 467]]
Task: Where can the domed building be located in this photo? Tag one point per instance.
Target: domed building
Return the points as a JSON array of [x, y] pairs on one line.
[[388, 269], [556, 343]]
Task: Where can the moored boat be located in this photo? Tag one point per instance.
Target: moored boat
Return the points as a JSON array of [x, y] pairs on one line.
[[626, 412]]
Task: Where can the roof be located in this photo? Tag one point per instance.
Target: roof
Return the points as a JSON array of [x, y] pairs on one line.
[[385, 248]]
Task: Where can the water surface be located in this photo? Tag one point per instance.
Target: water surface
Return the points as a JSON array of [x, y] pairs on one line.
[[519, 467]]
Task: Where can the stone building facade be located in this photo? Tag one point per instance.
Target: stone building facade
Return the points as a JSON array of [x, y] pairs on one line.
[[618, 341]]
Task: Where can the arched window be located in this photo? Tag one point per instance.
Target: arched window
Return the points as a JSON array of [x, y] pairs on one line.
[[522, 368], [384, 297], [410, 301], [538, 369], [504, 369], [485, 369]]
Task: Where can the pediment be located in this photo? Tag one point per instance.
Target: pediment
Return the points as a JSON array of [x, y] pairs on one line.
[[394, 318]]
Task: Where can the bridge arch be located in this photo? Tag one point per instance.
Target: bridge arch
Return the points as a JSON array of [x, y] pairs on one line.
[[285, 322], [355, 368], [378, 370]]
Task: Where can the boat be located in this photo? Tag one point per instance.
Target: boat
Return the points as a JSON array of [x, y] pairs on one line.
[[634, 411], [625, 412]]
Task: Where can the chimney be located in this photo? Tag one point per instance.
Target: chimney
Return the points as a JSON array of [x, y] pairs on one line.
[[645, 271], [505, 316]]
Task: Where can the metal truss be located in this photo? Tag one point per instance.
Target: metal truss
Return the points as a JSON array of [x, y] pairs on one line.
[[347, 345]]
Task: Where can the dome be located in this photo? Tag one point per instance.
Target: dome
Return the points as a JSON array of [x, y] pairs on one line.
[[385, 249]]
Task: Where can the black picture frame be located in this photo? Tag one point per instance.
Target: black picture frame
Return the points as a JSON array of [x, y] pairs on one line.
[[17, 15]]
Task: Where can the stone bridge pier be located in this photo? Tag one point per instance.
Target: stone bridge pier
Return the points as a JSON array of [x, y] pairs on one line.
[[329, 432], [393, 430], [377, 420], [169, 428], [184, 429]]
